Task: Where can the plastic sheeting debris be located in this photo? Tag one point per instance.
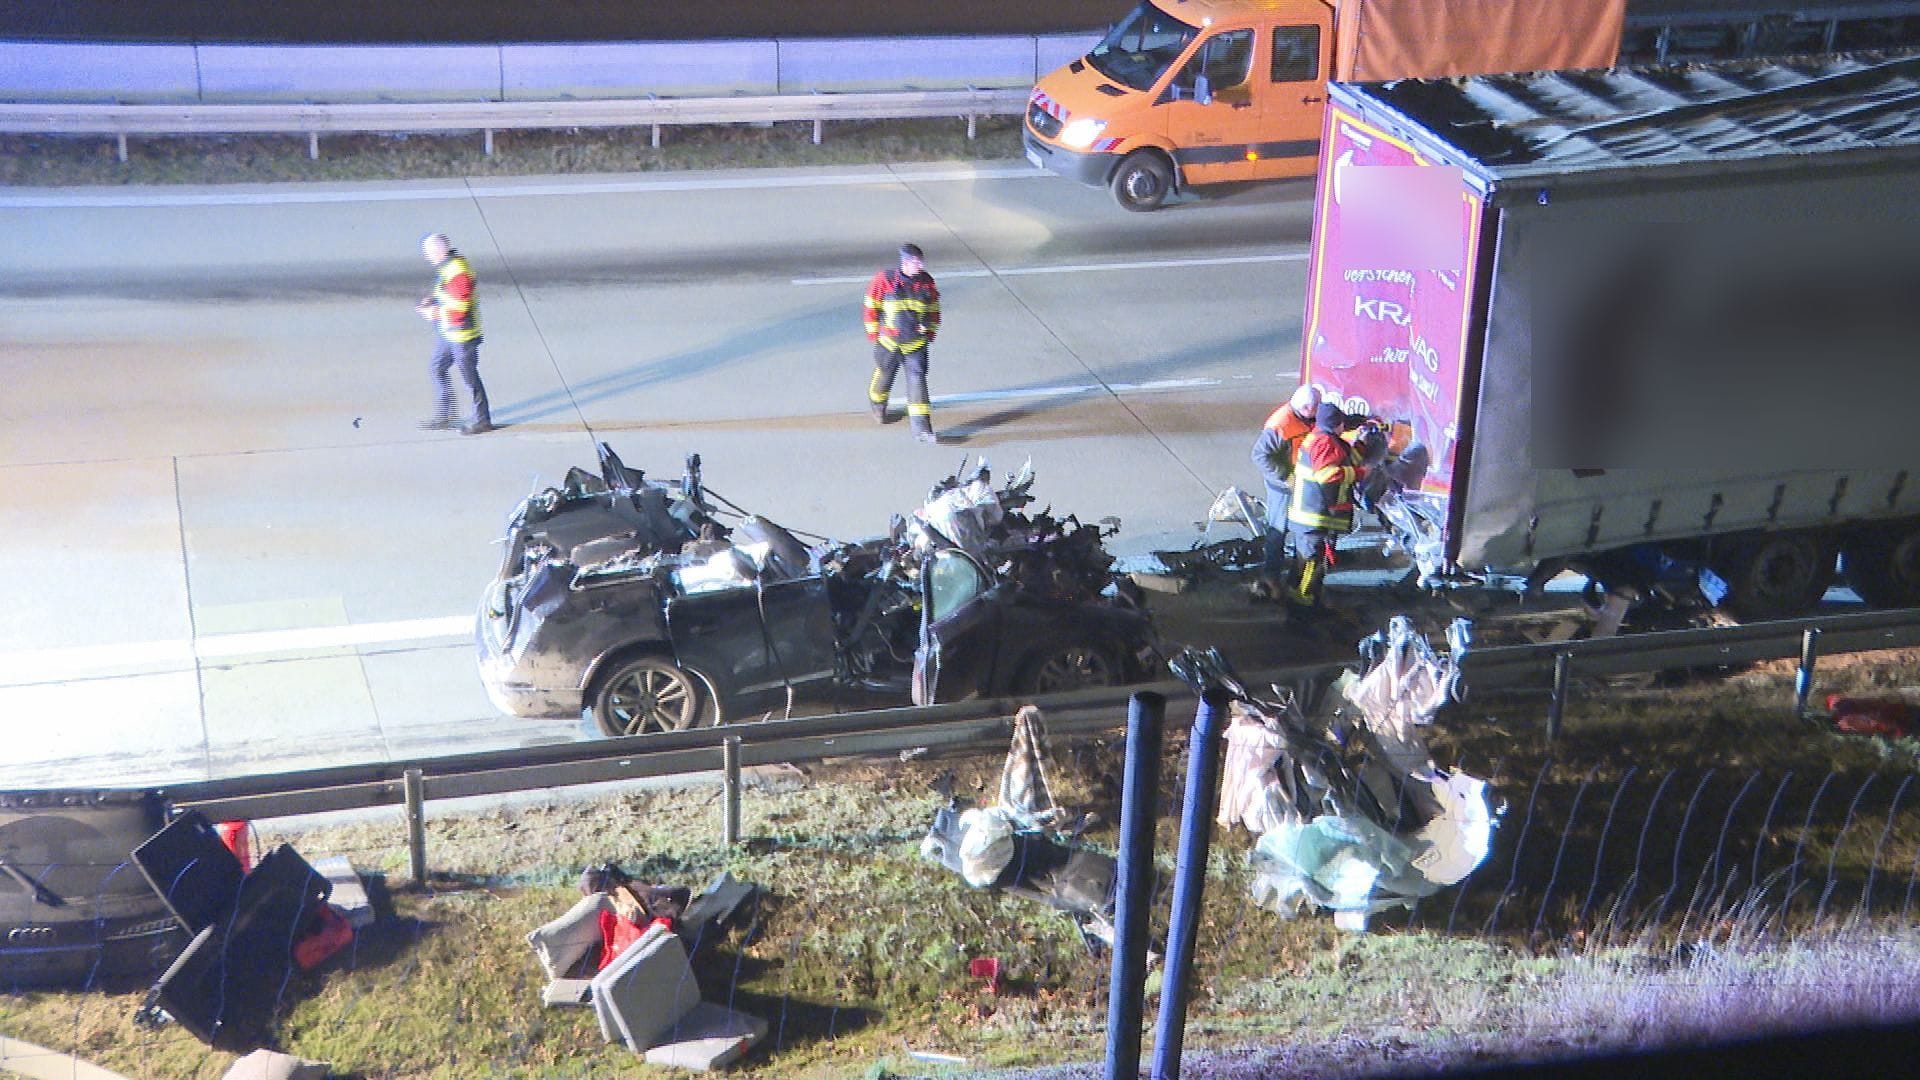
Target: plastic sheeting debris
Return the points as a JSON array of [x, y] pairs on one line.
[[1352, 813]]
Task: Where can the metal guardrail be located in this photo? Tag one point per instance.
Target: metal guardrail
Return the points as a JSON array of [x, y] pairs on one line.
[[487, 117], [973, 723]]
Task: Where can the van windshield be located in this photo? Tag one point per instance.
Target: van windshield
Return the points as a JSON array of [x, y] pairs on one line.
[[1140, 47]]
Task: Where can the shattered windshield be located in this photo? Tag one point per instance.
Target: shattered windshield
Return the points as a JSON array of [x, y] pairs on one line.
[[1140, 47]]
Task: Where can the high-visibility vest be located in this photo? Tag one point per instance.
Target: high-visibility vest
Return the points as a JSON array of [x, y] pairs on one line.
[[1323, 477], [457, 300], [902, 313], [1280, 439]]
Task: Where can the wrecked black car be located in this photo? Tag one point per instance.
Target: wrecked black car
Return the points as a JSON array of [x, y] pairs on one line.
[[629, 600]]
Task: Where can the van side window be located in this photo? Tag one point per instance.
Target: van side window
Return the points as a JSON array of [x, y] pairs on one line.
[[1226, 59], [1229, 59], [1296, 53]]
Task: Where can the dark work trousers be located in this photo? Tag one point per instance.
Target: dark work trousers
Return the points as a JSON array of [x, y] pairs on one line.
[[1274, 554], [1313, 557], [464, 357], [886, 363]]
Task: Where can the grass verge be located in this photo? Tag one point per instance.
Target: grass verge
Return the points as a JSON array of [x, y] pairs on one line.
[[859, 951], [51, 161]]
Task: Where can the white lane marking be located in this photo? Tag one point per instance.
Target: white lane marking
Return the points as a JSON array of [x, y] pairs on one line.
[[1068, 389], [1078, 268], [375, 193], [30, 667]]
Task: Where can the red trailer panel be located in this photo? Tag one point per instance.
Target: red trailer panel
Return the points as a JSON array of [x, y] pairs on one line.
[[1390, 287]]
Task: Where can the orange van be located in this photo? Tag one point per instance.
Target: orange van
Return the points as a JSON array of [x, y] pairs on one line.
[[1183, 92]]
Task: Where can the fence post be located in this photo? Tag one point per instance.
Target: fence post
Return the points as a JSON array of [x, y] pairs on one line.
[[1562, 671], [730, 780], [1139, 812], [1189, 879], [414, 784], [1803, 679]]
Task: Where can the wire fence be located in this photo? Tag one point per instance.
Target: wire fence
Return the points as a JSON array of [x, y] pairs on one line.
[[859, 951]]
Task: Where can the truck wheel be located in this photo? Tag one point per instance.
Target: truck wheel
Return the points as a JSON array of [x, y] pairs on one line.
[[1883, 565], [1073, 666], [647, 693], [1142, 182], [1775, 576]]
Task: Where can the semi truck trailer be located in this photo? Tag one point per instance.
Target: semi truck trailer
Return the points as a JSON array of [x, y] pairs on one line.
[[1188, 92], [1638, 318]]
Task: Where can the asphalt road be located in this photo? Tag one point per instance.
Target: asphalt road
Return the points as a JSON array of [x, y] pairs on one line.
[[232, 552]]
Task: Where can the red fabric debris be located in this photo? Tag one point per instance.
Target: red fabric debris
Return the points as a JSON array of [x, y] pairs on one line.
[[330, 933], [616, 934], [1888, 717]]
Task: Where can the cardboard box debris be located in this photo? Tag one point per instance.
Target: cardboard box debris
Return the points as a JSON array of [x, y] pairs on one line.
[[644, 993], [709, 1037], [349, 892], [272, 1065]]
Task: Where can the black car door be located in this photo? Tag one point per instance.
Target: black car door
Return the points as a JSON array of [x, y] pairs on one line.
[[961, 642], [755, 641]]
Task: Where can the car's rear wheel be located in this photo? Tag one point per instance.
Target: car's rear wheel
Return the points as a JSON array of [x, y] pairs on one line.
[[1073, 666], [645, 694]]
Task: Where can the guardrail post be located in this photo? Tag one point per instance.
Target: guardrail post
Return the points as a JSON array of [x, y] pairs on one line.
[[1803, 679], [487, 134], [1139, 811], [414, 786], [972, 113], [819, 126], [1189, 880], [656, 124], [730, 779], [313, 146], [1562, 672], [120, 144]]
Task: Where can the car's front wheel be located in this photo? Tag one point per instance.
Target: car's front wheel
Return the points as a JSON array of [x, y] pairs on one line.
[[646, 694]]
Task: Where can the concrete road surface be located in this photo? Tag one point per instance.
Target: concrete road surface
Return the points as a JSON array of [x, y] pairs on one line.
[[231, 551]]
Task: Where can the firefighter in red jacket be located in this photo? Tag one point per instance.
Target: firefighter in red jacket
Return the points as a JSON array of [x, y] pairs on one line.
[[1325, 473], [902, 317]]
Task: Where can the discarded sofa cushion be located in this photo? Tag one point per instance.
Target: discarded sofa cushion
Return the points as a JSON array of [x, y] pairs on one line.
[[648, 990], [709, 1037], [273, 1065], [564, 992], [562, 943]]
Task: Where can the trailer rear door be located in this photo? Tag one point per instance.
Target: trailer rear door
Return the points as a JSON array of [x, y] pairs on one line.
[[1391, 288]]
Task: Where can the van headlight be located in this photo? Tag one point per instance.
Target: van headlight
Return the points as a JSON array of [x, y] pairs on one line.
[[1079, 134]]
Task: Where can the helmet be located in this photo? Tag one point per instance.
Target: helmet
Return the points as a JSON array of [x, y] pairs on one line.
[[1305, 401]]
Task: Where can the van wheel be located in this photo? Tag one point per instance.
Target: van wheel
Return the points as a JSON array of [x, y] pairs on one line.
[[1142, 182], [1775, 576], [1074, 666], [1883, 565], [645, 694]]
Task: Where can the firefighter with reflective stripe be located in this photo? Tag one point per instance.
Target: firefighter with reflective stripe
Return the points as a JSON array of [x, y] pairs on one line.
[[1321, 509], [1273, 454], [902, 317], [454, 310]]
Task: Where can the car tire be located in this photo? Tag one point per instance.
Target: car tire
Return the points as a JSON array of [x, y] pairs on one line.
[[1883, 565], [1776, 575], [1142, 182], [645, 694], [1075, 665]]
